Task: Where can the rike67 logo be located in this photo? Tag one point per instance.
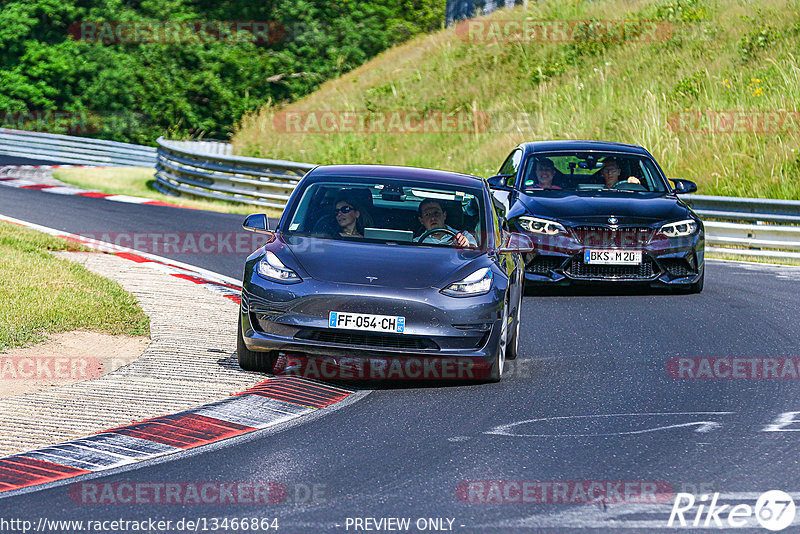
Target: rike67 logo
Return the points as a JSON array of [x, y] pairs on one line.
[[774, 510]]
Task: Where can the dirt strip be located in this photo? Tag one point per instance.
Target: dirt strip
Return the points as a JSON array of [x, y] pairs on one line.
[[190, 361]]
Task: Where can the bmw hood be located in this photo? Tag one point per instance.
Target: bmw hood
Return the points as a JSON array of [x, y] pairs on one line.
[[595, 207], [403, 266]]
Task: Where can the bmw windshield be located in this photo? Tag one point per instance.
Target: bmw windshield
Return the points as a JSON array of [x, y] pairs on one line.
[[590, 171], [381, 210]]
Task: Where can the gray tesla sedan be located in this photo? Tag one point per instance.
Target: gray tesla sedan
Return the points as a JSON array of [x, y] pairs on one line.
[[388, 272]]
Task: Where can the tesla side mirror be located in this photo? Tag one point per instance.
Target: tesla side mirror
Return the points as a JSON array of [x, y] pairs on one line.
[[684, 186], [257, 222], [517, 242], [499, 182]]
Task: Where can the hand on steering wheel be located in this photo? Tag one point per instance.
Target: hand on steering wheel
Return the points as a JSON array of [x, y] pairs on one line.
[[451, 233], [461, 240]]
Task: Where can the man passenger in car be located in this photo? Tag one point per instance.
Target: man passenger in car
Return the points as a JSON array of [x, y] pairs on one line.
[[431, 215], [610, 172]]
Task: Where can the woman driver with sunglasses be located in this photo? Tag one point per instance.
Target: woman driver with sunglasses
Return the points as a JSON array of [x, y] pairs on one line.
[[348, 217]]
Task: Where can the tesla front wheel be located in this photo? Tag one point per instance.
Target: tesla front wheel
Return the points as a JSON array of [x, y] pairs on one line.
[[498, 364], [251, 360], [512, 348]]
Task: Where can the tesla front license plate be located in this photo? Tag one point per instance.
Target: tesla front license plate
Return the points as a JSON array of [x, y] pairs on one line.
[[366, 321], [612, 257]]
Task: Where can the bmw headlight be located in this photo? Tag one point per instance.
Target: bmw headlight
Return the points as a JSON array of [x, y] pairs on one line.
[[679, 229], [272, 268], [541, 226], [477, 283]]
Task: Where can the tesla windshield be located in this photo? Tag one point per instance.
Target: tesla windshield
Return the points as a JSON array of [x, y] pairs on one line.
[[586, 171], [385, 210]]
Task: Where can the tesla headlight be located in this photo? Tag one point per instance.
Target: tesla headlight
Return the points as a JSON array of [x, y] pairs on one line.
[[541, 226], [272, 268], [679, 229], [477, 283]]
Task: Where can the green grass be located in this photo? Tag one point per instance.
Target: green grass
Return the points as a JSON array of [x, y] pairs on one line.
[[723, 55], [41, 294], [139, 182]]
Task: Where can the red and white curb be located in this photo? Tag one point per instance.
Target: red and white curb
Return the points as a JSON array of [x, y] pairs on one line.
[[228, 287], [22, 183], [273, 401]]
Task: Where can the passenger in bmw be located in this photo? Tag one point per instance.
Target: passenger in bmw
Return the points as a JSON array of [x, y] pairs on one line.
[[432, 216], [545, 171]]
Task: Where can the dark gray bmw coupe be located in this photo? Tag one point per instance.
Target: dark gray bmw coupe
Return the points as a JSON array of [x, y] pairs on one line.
[[603, 213], [393, 264]]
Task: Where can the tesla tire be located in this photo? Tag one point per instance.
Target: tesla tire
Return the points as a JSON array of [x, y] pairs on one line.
[[496, 372], [512, 349], [250, 360]]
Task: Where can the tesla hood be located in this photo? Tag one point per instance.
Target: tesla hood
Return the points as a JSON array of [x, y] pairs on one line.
[[406, 266]]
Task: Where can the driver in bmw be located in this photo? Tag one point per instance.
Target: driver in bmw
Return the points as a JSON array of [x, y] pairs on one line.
[[432, 216], [611, 171]]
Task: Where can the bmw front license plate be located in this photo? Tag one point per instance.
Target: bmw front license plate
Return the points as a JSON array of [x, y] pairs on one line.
[[366, 321], [612, 257]]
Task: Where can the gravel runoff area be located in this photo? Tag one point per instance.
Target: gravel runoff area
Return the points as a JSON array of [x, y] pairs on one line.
[[190, 361]]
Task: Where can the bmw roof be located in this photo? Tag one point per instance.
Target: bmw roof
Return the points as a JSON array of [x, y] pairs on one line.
[[394, 171], [569, 145]]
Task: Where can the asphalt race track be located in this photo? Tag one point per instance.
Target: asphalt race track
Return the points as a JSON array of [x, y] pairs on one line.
[[589, 400], [14, 160]]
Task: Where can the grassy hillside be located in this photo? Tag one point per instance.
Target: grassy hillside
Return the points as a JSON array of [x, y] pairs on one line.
[[721, 55]]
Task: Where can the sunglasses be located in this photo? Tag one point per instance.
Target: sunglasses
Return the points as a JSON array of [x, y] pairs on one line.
[[343, 209]]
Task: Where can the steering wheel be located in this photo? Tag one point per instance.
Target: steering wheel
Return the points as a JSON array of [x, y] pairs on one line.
[[451, 233], [628, 186]]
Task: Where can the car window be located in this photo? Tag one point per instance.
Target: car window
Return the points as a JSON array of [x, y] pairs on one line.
[[591, 171], [511, 166], [387, 211]]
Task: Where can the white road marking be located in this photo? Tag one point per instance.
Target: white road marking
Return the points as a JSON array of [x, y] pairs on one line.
[[703, 426]]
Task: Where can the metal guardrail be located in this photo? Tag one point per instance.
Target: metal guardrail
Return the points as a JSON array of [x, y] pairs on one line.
[[759, 235], [745, 209], [74, 150], [185, 169], [207, 169]]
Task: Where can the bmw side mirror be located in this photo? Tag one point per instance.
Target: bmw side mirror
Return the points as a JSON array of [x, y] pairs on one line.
[[517, 242], [683, 186], [499, 182], [257, 222]]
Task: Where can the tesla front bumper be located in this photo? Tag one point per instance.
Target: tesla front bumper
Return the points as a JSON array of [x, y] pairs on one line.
[[293, 319]]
